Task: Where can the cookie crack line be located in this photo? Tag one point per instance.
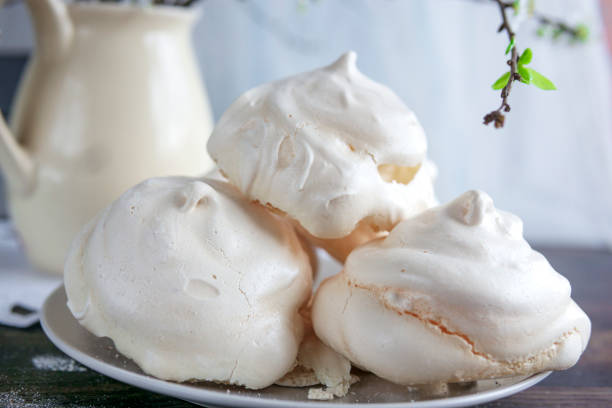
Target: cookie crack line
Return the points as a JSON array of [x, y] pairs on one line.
[[231, 376], [244, 294], [430, 322], [449, 332], [348, 298]]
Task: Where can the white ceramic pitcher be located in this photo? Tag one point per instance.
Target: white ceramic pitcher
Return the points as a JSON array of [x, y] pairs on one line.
[[111, 96]]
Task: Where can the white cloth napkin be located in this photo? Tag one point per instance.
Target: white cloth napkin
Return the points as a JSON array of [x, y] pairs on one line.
[[20, 283]]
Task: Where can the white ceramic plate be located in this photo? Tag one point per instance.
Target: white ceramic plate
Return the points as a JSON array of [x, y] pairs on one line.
[[99, 354]]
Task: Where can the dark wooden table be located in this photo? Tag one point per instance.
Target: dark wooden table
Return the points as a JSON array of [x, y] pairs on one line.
[[588, 384]]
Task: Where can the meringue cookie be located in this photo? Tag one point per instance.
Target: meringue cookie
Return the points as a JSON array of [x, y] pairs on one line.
[[192, 282], [330, 148], [453, 294]]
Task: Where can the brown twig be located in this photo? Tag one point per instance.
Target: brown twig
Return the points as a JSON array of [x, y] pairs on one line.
[[496, 116], [178, 3], [558, 24]]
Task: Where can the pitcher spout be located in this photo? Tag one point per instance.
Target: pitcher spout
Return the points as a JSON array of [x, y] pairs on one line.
[[52, 26], [15, 162]]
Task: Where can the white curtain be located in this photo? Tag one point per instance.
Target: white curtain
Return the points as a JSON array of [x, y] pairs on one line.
[[551, 164]]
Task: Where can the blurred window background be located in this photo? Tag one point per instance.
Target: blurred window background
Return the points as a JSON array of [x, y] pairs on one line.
[[552, 162]]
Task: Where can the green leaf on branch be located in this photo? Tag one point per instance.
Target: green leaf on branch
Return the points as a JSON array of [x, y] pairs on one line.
[[582, 32], [526, 57], [541, 81], [516, 5], [501, 81], [541, 31], [525, 74], [510, 46]]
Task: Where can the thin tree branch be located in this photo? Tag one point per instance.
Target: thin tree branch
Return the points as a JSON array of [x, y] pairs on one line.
[[496, 116], [576, 33]]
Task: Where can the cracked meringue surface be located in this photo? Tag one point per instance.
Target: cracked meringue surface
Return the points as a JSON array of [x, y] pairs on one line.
[[453, 294], [192, 282], [329, 148]]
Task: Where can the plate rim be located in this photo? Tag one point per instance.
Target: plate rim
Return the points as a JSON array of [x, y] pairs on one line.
[[202, 396]]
